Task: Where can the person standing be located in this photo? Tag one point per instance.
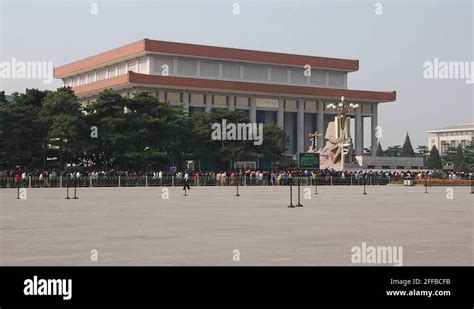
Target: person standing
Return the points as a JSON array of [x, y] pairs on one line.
[[18, 179]]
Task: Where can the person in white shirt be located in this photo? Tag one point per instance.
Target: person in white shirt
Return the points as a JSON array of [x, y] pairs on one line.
[[185, 181]]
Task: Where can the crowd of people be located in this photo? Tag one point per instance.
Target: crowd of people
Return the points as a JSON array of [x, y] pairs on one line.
[[221, 177]]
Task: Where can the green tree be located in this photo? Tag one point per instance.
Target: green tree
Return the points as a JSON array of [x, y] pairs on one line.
[[61, 112], [379, 152], [459, 164], [204, 146], [422, 151], [23, 134], [407, 149], [469, 156], [138, 132], [105, 116], [392, 151], [273, 145], [287, 162], [434, 160], [449, 155], [3, 98], [161, 132]]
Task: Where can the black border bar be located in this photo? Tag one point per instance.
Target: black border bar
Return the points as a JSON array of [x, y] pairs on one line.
[[240, 285]]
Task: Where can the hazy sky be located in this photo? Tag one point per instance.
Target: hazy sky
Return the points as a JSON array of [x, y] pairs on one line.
[[392, 47]]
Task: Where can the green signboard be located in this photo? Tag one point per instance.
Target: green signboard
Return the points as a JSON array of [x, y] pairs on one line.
[[308, 160]]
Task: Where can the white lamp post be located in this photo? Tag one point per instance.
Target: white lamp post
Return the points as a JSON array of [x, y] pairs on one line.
[[342, 108]]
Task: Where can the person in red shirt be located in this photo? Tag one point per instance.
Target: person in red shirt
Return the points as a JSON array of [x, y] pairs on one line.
[[17, 178]]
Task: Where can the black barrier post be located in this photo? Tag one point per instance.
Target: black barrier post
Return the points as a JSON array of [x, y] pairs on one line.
[[365, 182], [315, 185], [237, 186], [18, 191], [75, 187], [67, 188], [299, 204], [426, 183], [185, 187], [291, 193], [472, 186]]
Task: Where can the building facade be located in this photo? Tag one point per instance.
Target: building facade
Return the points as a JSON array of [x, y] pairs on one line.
[[288, 90], [451, 137]]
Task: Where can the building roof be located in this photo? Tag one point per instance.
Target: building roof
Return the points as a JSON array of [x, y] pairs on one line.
[[147, 46], [131, 79], [456, 127]]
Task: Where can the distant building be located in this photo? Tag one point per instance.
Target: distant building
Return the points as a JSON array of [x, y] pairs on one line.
[[444, 138]]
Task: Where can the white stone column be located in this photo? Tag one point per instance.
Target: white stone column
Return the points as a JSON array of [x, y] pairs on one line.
[[359, 133], [374, 124], [208, 102], [281, 113], [161, 95], [320, 123], [253, 110], [185, 99], [300, 127], [231, 102]]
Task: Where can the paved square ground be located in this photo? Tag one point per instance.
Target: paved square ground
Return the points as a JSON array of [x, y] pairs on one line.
[[135, 226]]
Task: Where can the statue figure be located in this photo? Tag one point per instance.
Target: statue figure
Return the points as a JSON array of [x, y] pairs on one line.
[[331, 153], [313, 147]]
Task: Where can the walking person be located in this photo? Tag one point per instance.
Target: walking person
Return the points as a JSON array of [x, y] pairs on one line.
[[185, 181]]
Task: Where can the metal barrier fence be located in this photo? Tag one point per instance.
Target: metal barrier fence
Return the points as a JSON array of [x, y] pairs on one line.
[[146, 181]]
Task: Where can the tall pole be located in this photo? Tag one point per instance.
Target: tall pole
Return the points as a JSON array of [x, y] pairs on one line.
[[426, 183], [291, 193], [299, 203], [67, 188], [342, 149], [472, 185], [341, 138], [315, 184], [75, 187], [365, 181], [237, 186]]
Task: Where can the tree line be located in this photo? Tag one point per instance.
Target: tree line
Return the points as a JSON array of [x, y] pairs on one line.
[[49, 129]]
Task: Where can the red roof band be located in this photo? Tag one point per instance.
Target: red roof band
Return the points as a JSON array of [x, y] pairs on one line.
[[144, 79]]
